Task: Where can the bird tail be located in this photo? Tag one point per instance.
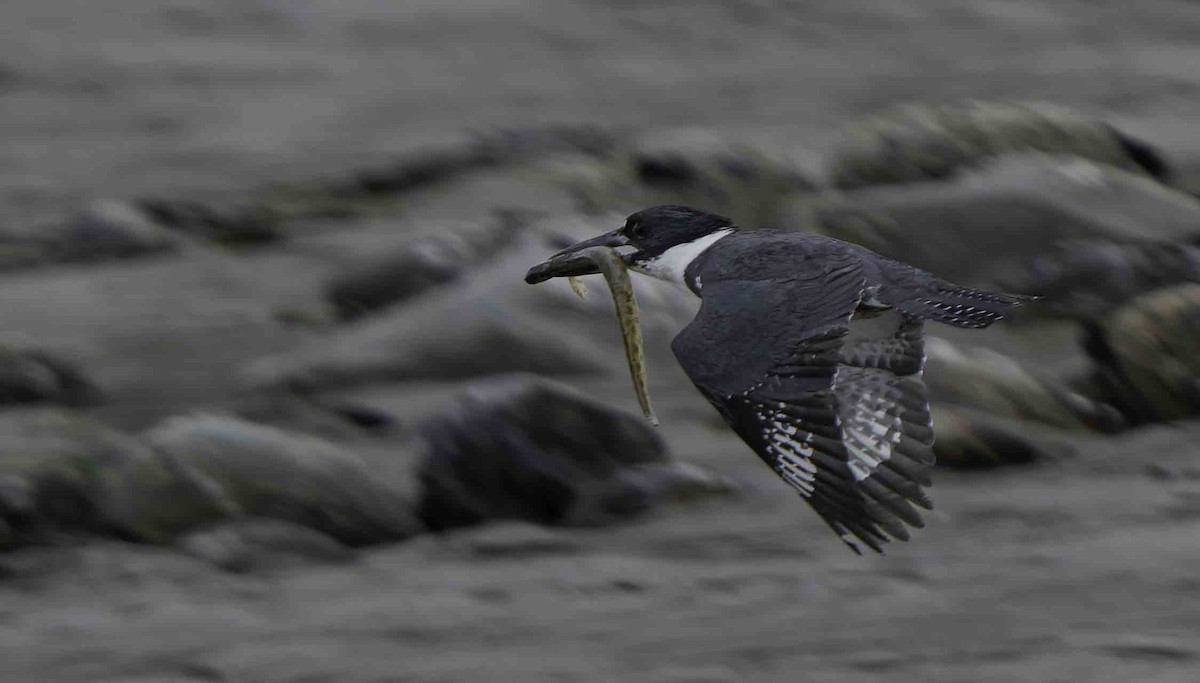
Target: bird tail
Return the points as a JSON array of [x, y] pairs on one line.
[[959, 306]]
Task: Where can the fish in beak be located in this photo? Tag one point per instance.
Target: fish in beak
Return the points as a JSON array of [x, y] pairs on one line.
[[572, 262], [599, 255]]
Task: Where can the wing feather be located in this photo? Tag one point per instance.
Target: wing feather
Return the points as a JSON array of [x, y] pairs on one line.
[[845, 424]]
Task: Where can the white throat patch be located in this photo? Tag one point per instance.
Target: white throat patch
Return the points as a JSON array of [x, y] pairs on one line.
[[672, 263]]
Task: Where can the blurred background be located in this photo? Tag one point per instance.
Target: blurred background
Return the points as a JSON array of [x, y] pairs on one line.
[[278, 406]]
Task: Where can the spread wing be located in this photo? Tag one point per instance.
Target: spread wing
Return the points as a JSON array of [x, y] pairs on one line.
[[845, 423]]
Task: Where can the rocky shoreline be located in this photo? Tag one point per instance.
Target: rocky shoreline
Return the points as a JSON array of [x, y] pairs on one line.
[[298, 417]]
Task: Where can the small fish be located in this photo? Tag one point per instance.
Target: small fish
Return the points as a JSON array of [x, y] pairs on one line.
[[612, 266]]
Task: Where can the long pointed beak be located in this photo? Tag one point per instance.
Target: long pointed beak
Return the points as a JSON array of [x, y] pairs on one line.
[[567, 263]]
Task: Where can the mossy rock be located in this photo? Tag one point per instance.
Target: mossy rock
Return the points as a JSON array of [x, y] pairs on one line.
[[56, 469], [917, 142], [240, 468], [746, 182], [988, 381], [1147, 354], [985, 227]]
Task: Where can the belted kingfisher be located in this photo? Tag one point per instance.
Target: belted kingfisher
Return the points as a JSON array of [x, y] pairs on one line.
[[844, 420]]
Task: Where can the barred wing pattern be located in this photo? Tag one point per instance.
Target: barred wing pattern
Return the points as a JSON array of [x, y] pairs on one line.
[[845, 424]]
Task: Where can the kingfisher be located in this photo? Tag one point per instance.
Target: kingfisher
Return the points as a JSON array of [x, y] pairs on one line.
[[840, 416]]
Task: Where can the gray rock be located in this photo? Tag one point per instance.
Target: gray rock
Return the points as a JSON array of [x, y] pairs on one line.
[[921, 142], [111, 229], [746, 181], [1085, 279], [104, 230], [1146, 354], [64, 473], [421, 264], [222, 467], [32, 376], [969, 439], [256, 545], [526, 448], [987, 226], [439, 162], [1172, 136], [234, 224], [991, 382], [55, 470], [700, 157]]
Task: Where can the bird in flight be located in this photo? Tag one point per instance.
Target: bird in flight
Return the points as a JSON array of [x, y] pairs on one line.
[[838, 414]]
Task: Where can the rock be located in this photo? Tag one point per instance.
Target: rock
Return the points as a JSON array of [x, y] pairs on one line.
[[31, 376], [745, 181], [1146, 354], [62, 472], [526, 448], [254, 545], [111, 229], [988, 381], [490, 323], [234, 224], [696, 157], [239, 468], [987, 226], [971, 440], [55, 470], [103, 230], [418, 168], [421, 264], [439, 162], [1172, 137], [461, 158], [1085, 279], [922, 142]]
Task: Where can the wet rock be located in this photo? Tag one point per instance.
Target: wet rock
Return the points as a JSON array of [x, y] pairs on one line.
[[1172, 137], [104, 230], [256, 545], [55, 469], [748, 182], [923, 142], [1146, 354], [334, 419], [460, 158], [972, 440], [987, 226], [234, 224], [421, 264], [520, 447], [111, 229], [436, 163], [992, 382], [31, 376], [698, 157], [417, 169], [1084, 279], [211, 468], [487, 324]]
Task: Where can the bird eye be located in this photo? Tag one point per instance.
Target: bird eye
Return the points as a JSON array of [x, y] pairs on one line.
[[636, 231]]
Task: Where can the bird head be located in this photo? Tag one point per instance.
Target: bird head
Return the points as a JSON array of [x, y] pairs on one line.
[[645, 236]]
